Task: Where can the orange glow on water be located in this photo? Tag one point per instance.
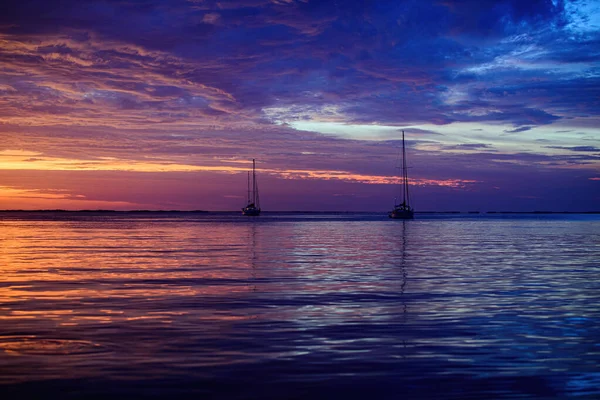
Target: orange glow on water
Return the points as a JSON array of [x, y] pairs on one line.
[[44, 272]]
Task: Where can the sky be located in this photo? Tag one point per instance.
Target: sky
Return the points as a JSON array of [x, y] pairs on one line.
[[163, 104]]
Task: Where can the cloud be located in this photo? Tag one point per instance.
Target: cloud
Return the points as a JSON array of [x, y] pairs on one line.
[[366, 59], [27, 199], [517, 130], [498, 18], [468, 146], [418, 131], [591, 149]]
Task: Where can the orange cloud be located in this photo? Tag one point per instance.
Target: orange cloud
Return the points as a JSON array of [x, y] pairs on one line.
[[32, 199], [13, 160]]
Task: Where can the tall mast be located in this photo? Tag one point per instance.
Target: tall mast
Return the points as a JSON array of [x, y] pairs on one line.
[[405, 196], [253, 181], [248, 187]]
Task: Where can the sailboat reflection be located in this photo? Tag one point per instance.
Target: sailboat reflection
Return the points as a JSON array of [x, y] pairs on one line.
[[403, 280], [403, 269], [252, 257]]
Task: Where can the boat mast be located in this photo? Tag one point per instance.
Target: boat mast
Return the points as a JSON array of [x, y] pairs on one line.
[[254, 181], [405, 196], [248, 187]]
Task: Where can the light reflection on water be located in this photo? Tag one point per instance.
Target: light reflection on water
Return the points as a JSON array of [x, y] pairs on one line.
[[289, 306]]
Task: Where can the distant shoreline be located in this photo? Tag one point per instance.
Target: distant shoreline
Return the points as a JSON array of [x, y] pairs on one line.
[[284, 212]]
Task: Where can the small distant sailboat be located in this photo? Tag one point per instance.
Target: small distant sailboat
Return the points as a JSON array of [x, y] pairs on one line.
[[253, 207], [403, 210]]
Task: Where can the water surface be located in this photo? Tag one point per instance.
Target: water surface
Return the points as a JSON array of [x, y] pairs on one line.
[[299, 306]]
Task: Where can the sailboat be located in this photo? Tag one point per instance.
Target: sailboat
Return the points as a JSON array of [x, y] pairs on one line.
[[403, 210], [253, 207]]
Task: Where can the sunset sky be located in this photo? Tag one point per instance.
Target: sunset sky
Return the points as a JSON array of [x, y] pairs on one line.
[[148, 104]]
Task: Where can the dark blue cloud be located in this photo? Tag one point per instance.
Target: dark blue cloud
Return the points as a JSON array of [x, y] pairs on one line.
[[517, 130], [469, 146], [591, 149], [390, 62], [485, 18]]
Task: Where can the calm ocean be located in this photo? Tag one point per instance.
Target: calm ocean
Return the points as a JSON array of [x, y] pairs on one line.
[[299, 306]]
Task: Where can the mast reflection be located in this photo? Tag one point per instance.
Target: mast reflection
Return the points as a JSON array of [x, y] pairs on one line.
[[404, 276], [252, 255], [403, 280]]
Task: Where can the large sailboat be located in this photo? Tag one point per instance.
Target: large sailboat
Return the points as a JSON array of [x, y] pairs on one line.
[[253, 207], [403, 210]]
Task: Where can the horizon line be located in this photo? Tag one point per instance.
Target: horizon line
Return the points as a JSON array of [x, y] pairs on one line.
[[297, 211]]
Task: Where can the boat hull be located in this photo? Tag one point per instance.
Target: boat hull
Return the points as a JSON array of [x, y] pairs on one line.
[[251, 211], [402, 214]]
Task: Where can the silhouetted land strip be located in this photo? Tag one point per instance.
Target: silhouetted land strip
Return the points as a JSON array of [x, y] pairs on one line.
[[438, 212], [106, 211], [543, 212]]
